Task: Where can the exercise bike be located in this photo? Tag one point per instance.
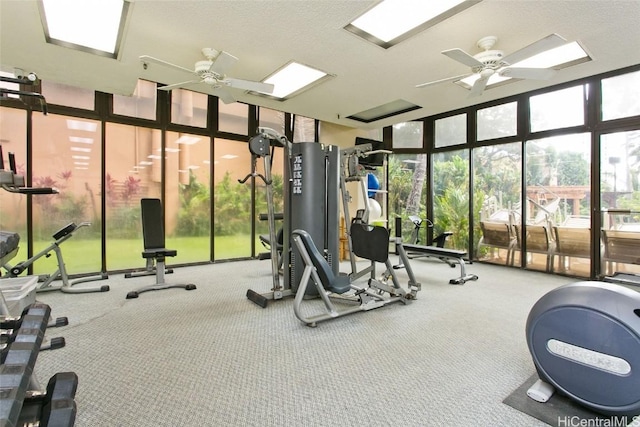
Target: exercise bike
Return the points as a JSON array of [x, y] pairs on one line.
[[46, 284]]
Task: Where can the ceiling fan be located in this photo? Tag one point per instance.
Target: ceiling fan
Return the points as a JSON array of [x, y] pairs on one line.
[[490, 62], [212, 72]]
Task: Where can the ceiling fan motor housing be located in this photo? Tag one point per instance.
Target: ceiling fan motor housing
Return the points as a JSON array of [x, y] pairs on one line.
[[490, 59], [203, 67]]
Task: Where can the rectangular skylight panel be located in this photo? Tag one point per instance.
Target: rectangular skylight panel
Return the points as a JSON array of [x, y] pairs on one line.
[[553, 57], [392, 18], [292, 78], [92, 24]]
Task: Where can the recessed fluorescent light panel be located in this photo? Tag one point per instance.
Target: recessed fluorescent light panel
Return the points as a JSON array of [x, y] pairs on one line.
[[293, 79], [392, 21], [564, 56], [94, 26], [383, 111]]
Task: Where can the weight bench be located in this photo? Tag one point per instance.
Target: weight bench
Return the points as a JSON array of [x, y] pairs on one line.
[[154, 247], [453, 254]]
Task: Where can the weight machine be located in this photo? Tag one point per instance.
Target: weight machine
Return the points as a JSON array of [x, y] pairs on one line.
[[263, 146], [314, 174]]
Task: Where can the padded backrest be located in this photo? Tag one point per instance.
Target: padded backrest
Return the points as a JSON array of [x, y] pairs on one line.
[[322, 266], [370, 242], [152, 223]]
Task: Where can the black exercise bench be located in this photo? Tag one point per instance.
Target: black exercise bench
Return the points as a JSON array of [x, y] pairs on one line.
[[453, 254], [154, 246]]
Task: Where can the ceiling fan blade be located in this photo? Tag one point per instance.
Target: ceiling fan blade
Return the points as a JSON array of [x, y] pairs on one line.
[[549, 42], [179, 85], [150, 59], [249, 85], [224, 95], [223, 62], [448, 79], [528, 73], [478, 87], [462, 56]]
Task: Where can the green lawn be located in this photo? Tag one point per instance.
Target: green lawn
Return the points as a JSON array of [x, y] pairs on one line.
[[83, 255]]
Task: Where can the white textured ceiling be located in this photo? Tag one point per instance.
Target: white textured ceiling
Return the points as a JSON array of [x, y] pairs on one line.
[[266, 34]]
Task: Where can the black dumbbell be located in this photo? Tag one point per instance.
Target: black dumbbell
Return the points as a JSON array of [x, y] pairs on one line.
[[59, 408]]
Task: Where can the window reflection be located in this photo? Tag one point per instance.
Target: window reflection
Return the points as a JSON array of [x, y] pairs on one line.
[[142, 104], [67, 156]]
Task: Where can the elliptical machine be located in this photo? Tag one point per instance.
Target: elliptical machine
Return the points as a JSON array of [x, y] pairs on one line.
[[584, 338]]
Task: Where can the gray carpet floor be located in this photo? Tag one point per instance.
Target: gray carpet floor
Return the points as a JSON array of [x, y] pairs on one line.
[[210, 357]]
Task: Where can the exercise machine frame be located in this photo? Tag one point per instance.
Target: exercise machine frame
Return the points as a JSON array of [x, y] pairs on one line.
[[376, 294], [60, 273]]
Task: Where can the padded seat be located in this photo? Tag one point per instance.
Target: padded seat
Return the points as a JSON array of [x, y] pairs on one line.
[[154, 246], [337, 284]]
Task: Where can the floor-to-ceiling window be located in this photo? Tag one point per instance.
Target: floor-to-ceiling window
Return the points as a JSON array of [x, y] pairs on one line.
[[451, 196], [67, 156], [231, 200], [133, 170], [187, 201], [558, 205], [408, 183], [497, 178], [13, 206]]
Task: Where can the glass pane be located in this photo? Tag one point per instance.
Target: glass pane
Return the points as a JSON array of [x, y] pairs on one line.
[[559, 109], [231, 200], [451, 196], [233, 118], [558, 198], [620, 171], [498, 121], [70, 96], [277, 174], [189, 108], [67, 156], [451, 131], [497, 179], [141, 104], [620, 96], [272, 119], [304, 129], [408, 135], [13, 207], [620, 200], [407, 191], [187, 206], [133, 171]]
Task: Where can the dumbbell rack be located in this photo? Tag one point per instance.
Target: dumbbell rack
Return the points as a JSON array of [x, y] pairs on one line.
[[21, 400]]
